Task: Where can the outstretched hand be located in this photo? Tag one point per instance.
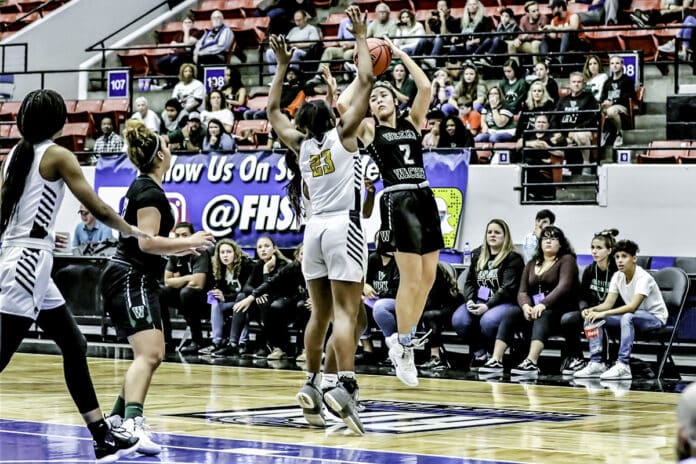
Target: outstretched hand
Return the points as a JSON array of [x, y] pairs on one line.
[[397, 53], [358, 20], [281, 49]]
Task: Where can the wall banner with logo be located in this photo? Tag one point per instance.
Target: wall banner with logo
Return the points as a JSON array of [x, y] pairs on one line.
[[242, 196]]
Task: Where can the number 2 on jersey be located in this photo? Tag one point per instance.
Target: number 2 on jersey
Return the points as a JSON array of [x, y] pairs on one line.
[[406, 152], [321, 164]]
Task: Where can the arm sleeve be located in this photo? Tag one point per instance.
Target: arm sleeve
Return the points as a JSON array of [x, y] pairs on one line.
[[509, 282]]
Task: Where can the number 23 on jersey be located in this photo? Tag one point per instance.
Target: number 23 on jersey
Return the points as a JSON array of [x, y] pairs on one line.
[[321, 164]]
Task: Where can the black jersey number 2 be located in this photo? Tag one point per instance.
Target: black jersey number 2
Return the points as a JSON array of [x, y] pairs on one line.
[[406, 152], [321, 164]]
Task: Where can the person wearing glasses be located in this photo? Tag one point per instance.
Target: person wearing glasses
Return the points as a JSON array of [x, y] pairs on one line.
[[90, 230], [548, 289]]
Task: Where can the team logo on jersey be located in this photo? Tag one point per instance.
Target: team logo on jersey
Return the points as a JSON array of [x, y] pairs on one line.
[[391, 417], [449, 202]]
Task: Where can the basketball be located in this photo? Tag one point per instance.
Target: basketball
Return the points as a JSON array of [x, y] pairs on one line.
[[380, 53]]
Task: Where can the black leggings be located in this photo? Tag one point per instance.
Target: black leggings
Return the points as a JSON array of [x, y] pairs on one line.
[[273, 316], [59, 325], [542, 328]]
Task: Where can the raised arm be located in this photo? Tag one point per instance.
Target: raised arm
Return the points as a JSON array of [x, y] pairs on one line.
[[351, 120], [290, 136], [421, 102]]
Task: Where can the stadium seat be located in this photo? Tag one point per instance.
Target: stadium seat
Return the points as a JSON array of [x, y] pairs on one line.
[[116, 108], [10, 6], [483, 152], [74, 136], [603, 41], [9, 110], [639, 39], [664, 152], [136, 60], [259, 102], [206, 8], [84, 111], [259, 128]]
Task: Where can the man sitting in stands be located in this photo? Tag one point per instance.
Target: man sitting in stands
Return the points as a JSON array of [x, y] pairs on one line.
[[184, 288], [213, 46], [109, 141], [616, 98]]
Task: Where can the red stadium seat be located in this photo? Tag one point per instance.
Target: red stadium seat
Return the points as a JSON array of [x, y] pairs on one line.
[[9, 110], [639, 39], [665, 152], [603, 41], [259, 102], [259, 129], [84, 111], [117, 109], [136, 60], [74, 136], [206, 8]]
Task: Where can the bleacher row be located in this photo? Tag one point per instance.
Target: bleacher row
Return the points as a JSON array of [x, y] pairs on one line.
[[14, 14]]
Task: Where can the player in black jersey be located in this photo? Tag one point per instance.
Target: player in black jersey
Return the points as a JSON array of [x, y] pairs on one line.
[[130, 281], [410, 219]]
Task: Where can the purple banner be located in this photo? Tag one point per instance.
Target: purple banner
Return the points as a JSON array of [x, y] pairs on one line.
[[118, 84], [241, 195]]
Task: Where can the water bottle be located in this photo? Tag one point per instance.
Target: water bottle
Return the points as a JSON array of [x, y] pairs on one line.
[[466, 256]]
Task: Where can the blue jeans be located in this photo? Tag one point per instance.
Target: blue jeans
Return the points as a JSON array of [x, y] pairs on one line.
[[629, 323], [217, 322], [384, 312], [480, 331]]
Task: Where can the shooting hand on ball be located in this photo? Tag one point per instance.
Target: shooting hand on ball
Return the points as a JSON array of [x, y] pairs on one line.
[[396, 51]]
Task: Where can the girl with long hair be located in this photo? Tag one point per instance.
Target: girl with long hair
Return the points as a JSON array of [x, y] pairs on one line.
[[34, 177], [130, 282]]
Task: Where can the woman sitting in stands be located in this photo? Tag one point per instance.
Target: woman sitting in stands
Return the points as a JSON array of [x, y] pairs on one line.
[[231, 269], [189, 91], [269, 262], [644, 311], [497, 122], [594, 288], [490, 291], [234, 91], [215, 109], [548, 289], [217, 139], [453, 134]]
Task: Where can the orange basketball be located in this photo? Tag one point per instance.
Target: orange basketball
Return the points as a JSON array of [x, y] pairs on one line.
[[380, 53]]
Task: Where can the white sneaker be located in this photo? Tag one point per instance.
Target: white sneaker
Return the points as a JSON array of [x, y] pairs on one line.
[[618, 371], [402, 358], [618, 141], [139, 429], [667, 47], [593, 370], [391, 340], [115, 421]]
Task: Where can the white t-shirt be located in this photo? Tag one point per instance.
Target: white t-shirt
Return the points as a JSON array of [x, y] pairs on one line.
[[642, 284], [193, 90]]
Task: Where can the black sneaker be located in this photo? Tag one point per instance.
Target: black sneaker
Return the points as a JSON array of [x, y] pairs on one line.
[[572, 365], [435, 363], [492, 366], [526, 367], [227, 350], [191, 348], [208, 350], [262, 353], [244, 350], [477, 362], [116, 444]]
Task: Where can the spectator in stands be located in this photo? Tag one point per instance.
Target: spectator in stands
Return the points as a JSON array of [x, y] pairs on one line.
[[497, 122], [280, 12], [383, 24], [594, 288], [617, 93], [302, 38], [215, 43], [538, 100], [109, 141], [644, 311], [684, 35], [344, 51], [548, 289], [432, 138], [234, 92], [283, 298], [530, 24], [541, 73], [190, 137], [600, 12], [453, 133], [269, 262], [231, 269], [514, 87], [686, 425], [441, 23], [583, 124], [170, 64], [469, 116], [89, 230], [470, 89], [498, 44], [670, 11], [403, 85], [406, 29], [443, 300], [474, 21], [185, 283], [594, 75], [543, 218], [442, 89], [537, 149], [217, 139], [189, 91], [559, 41], [146, 115], [291, 97], [490, 291], [172, 116], [215, 109]]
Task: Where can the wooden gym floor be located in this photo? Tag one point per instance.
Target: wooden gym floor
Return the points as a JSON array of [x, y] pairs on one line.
[[205, 413]]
